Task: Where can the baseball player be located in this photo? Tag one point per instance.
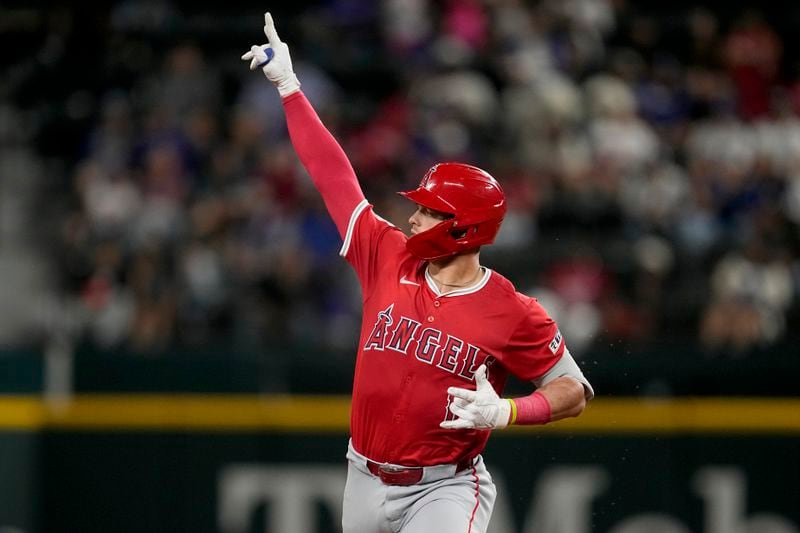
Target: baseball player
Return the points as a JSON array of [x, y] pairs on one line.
[[440, 335]]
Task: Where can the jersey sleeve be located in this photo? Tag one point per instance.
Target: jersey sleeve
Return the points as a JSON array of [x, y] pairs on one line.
[[371, 245], [535, 345], [324, 159]]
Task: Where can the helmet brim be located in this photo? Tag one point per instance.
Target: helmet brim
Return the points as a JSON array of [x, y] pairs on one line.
[[426, 198]]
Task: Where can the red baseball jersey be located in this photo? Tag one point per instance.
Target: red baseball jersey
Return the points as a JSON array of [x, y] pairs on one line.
[[416, 342]]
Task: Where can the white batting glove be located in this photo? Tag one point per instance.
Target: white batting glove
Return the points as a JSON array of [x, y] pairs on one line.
[[274, 60], [478, 409]]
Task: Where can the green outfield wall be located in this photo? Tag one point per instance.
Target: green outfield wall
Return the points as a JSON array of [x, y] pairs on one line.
[[266, 463]]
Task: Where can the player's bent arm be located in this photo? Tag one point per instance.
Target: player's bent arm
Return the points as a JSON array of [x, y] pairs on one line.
[[564, 396], [562, 392]]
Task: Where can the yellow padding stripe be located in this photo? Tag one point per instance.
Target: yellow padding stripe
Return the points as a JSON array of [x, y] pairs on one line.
[[684, 415], [331, 414], [179, 412]]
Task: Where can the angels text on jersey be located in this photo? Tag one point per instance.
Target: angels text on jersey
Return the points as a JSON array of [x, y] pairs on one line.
[[429, 345]]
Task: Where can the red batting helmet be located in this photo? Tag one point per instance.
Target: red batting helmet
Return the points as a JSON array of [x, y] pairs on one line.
[[471, 195]]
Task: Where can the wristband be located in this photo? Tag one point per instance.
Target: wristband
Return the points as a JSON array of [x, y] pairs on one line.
[[532, 410], [512, 416]]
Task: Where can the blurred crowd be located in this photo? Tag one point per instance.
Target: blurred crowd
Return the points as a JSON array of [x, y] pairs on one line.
[[651, 159]]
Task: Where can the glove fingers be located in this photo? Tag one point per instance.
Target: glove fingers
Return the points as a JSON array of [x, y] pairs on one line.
[[480, 376], [461, 412], [457, 424], [460, 402], [252, 55], [465, 394], [270, 31]]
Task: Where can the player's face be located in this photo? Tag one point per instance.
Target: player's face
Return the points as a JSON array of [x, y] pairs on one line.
[[424, 219]]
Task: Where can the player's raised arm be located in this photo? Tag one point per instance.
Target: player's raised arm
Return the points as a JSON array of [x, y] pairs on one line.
[[319, 152]]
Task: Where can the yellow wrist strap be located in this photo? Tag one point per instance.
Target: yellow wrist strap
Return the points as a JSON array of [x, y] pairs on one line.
[[513, 416]]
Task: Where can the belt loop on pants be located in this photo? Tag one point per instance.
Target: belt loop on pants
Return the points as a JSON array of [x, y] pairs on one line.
[[404, 476]]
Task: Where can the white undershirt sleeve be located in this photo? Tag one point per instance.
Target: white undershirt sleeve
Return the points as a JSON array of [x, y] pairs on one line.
[[566, 366]]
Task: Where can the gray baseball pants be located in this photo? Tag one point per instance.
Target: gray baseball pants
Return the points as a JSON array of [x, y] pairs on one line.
[[442, 502]]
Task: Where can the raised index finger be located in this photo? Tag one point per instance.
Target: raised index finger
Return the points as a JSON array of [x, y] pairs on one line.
[[269, 30]]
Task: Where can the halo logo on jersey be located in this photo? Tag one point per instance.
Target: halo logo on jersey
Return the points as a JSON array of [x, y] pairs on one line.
[[377, 338], [428, 345]]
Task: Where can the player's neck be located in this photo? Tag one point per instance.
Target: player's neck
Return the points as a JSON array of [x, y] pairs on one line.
[[457, 272]]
